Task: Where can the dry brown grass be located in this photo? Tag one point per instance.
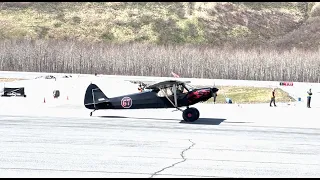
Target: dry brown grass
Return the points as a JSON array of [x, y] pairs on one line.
[[315, 11], [214, 23], [9, 79], [249, 95]]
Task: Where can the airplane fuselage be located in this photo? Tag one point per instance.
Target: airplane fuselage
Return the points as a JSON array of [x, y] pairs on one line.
[[150, 99]]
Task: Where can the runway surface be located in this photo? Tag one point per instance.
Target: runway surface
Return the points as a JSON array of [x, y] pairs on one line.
[[61, 140]]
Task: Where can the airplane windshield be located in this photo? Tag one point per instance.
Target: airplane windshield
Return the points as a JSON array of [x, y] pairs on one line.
[[189, 87]]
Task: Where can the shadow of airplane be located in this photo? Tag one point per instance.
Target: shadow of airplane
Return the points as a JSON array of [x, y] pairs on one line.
[[137, 118], [206, 121], [201, 121]]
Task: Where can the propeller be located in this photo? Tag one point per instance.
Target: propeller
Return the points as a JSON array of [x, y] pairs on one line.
[[213, 91]]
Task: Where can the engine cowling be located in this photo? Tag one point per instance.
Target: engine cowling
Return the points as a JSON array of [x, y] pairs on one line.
[[198, 95]]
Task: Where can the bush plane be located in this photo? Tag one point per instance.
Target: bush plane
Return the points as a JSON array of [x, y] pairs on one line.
[[165, 94]]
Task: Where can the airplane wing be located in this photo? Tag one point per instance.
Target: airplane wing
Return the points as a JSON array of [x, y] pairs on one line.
[[166, 84], [149, 83], [144, 83]]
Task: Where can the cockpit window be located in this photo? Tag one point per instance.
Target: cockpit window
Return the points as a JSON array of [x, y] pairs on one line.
[[181, 89], [165, 92], [169, 91]]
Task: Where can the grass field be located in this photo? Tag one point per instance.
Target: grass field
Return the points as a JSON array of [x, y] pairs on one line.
[[248, 95]]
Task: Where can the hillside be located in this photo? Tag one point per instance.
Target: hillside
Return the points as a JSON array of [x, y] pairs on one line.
[[281, 24]]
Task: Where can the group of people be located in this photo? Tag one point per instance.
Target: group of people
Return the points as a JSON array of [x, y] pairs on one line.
[[273, 98]]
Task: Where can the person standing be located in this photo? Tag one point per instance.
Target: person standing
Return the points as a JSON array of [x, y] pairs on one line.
[[140, 89], [273, 98], [309, 98]]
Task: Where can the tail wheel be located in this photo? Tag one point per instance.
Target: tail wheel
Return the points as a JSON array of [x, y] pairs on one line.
[[190, 114]]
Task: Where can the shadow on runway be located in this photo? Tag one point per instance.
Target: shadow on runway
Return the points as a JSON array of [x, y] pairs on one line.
[[137, 118], [206, 121], [201, 121]]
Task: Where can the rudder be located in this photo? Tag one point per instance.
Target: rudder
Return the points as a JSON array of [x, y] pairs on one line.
[[94, 96]]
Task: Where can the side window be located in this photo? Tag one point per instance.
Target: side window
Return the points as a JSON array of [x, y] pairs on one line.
[[169, 91], [166, 91], [181, 89]]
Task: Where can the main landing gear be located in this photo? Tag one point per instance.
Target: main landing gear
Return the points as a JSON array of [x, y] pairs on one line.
[[190, 114]]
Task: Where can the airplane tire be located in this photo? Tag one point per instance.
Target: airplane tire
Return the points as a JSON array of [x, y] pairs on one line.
[[190, 114]]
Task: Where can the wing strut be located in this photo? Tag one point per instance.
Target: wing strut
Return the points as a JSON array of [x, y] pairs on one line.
[[174, 89], [175, 97]]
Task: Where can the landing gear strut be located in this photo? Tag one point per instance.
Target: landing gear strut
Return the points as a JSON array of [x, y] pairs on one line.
[[190, 114]]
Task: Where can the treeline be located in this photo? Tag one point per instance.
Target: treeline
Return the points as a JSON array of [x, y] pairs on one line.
[[68, 56]]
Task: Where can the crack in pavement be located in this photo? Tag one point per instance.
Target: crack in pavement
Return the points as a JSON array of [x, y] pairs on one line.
[[182, 156]]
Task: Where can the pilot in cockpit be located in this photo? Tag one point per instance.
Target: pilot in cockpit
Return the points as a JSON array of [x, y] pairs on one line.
[[181, 90]]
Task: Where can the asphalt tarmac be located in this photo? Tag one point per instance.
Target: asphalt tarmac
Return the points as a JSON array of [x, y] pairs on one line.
[[61, 140]]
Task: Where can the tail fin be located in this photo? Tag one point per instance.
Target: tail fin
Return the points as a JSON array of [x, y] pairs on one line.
[[94, 96]]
